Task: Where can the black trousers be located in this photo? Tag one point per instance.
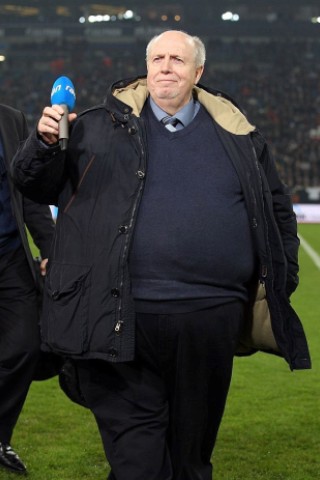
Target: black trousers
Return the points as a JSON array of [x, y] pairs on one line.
[[19, 337], [159, 415]]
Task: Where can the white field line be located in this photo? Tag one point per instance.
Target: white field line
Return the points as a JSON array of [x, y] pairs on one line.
[[310, 251]]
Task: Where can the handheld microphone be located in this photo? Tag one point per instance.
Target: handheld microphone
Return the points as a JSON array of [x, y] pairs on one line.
[[63, 94]]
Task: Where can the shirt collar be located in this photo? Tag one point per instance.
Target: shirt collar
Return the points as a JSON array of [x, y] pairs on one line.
[[185, 115]]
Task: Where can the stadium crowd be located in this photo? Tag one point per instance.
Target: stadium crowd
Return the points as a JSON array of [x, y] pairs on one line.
[[276, 82]]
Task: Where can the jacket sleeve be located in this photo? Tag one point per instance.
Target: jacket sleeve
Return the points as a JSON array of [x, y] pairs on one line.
[[284, 215], [38, 171]]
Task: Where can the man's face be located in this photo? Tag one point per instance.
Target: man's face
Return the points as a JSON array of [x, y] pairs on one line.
[[172, 71]]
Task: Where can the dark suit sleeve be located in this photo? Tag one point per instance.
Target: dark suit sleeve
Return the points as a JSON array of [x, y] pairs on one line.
[[40, 224], [37, 218]]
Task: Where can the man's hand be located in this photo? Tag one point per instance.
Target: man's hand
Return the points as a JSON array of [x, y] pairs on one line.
[[48, 125], [43, 267]]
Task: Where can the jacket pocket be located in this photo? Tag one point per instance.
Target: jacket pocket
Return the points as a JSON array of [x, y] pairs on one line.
[[64, 323]]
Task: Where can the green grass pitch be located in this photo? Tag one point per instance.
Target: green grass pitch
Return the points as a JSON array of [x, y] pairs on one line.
[[270, 431]]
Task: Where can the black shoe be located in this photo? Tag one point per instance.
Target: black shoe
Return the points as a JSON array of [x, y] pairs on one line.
[[10, 460]]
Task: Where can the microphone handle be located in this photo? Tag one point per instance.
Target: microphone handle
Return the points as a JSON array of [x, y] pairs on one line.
[[64, 128]]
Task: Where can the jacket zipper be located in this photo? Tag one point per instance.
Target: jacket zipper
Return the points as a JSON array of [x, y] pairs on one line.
[[119, 322], [264, 272], [263, 268]]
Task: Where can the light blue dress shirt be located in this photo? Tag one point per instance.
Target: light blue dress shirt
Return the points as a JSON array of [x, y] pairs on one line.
[[185, 115]]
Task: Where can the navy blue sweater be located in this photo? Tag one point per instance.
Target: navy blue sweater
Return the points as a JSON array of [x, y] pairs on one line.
[[192, 246]]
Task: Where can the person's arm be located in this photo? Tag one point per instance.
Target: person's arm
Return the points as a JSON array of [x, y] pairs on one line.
[[38, 167], [283, 213]]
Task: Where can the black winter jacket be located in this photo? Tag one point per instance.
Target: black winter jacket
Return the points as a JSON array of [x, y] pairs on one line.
[[97, 184]]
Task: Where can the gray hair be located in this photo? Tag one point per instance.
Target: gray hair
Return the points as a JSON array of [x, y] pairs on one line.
[[199, 48]]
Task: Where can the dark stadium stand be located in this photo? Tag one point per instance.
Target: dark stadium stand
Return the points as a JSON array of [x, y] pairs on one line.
[[269, 62]]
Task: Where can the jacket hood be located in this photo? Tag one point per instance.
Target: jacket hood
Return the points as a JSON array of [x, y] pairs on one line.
[[134, 93]]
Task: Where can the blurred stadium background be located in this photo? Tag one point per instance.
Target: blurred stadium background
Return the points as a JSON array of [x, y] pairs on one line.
[[266, 54]]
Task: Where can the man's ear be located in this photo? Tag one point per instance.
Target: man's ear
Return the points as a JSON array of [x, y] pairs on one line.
[[199, 72]]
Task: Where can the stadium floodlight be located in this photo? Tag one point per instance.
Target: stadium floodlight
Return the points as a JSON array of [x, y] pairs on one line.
[[128, 15], [226, 16], [230, 17]]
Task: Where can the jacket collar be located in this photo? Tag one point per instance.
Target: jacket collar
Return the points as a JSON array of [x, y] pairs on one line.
[[133, 93]]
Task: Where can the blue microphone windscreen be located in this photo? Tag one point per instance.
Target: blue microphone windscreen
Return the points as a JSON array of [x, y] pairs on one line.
[[63, 93]]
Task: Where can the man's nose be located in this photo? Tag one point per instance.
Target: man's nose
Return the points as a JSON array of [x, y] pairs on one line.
[[165, 65]]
